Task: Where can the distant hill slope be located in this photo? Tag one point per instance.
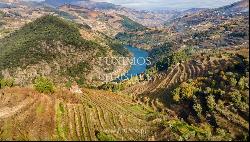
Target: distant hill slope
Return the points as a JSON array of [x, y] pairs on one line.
[[241, 6], [54, 47], [216, 16], [146, 18], [57, 3], [109, 23], [90, 4], [221, 27], [206, 28]]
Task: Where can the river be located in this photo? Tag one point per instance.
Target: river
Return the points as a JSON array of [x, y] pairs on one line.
[[138, 65]]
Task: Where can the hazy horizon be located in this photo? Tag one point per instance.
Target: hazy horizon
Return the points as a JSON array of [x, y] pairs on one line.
[[162, 4]]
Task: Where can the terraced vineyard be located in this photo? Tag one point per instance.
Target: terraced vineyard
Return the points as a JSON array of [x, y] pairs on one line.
[[154, 92], [23, 112], [28, 115]]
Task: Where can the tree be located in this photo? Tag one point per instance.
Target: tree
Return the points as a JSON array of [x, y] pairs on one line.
[[44, 85], [211, 102], [188, 90], [233, 81], [242, 83], [235, 97], [176, 94], [198, 109], [213, 83]]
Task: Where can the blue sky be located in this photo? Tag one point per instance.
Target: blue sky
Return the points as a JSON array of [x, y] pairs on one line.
[[149, 4]]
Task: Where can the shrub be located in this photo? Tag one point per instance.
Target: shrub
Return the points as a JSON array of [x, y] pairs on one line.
[[104, 137], [44, 85], [187, 132], [6, 83], [68, 84]]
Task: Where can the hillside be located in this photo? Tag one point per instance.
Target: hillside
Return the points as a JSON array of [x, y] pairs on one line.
[[241, 6], [146, 18], [95, 115], [215, 16], [188, 83], [65, 70], [146, 39], [57, 3], [55, 48], [90, 4], [101, 21], [204, 28]]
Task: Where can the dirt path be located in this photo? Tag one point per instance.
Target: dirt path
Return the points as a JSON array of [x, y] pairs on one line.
[[6, 112]]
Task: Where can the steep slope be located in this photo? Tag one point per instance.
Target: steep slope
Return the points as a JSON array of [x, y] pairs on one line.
[[185, 91], [215, 16], [54, 47], [213, 28], [95, 115], [205, 28], [105, 22], [146, 18], [241, 6]]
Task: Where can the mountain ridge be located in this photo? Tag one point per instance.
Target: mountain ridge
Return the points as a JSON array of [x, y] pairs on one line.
[[54, 43]]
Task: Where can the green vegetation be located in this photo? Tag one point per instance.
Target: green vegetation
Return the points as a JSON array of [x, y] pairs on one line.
[[119, 48], [2, 14], [214, 95], [131, 25], [6, 83], [185, 91], [131, 28], [44, 85], [165, 56], [78, 69], [176, 99], [68, 84], [77, 72], [40, 109], [26, 46], [145, 38], [203, 132], [104, 137], [60, 129], [66, 15], [116, 45], [51, 40], [114, 87]]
